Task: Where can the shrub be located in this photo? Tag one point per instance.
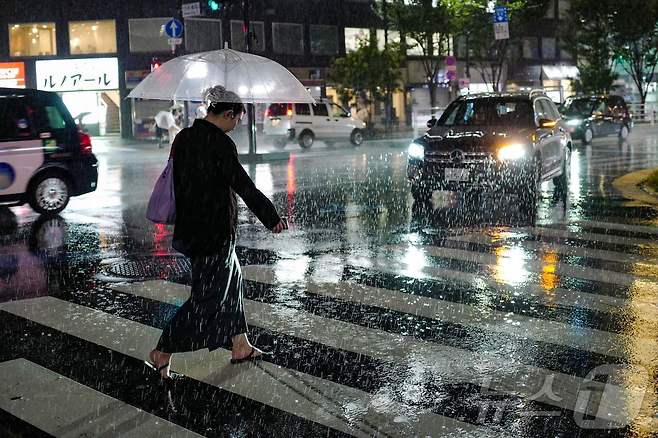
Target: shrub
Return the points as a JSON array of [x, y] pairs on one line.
[[652, 181]]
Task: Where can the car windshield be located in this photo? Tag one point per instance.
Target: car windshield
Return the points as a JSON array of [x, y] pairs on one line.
[[578, 107], [488, 112]]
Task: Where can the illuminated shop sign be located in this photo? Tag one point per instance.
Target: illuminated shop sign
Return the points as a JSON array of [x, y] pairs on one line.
[[78, 74], [12, 74]]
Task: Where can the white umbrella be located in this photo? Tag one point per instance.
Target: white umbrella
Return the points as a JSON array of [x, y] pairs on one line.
[[254, 78]]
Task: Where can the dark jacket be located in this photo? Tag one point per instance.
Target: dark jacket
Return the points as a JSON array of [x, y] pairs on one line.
[[207, 176]]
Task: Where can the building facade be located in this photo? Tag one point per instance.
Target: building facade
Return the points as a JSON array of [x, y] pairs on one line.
[[93, 52]]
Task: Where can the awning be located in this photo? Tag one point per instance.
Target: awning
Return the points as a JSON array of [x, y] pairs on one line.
[[559, 72]]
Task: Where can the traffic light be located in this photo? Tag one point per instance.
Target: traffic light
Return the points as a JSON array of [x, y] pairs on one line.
[[212, 8]]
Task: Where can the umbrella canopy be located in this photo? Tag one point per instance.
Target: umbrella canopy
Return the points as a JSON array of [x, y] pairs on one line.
[[254, 78]]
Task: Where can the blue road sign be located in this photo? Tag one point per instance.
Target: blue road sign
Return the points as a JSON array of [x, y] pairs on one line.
[[174, 28], [500, 14]]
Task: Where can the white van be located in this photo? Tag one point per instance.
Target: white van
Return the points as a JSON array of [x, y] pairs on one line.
[[306, 123]]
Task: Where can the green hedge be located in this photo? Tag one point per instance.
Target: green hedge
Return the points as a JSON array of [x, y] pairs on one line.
[[652, 181]]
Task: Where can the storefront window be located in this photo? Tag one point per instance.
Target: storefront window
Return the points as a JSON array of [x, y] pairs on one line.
[[93, 37], [530, 48], [352, 37], [202, 35], [563, 8], [148, 34], [32, 39], [548, 48], [393, 37], [415, 49], [237, 36], [550, 10], [324, 40], [288, 38]]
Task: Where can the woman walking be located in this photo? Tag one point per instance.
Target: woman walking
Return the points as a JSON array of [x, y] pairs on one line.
[[207, 177]]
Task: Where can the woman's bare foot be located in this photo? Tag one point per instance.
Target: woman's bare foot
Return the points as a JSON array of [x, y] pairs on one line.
[[159, 359], [242, 348]]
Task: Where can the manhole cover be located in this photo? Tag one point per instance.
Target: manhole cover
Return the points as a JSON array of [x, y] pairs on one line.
[[159, 267]]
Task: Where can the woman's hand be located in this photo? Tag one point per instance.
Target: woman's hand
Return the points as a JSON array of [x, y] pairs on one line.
[[282, 225]]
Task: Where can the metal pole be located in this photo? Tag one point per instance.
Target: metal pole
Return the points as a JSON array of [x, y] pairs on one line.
[[387, 118], [251, 114], [468, 61]]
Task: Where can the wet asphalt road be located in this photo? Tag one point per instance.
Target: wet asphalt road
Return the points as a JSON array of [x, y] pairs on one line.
[[384, 318]]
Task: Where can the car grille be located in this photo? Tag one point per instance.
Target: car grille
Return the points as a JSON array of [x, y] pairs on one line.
[[458, 157]]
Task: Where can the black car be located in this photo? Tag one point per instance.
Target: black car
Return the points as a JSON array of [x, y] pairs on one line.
[[44, 158], [588, 117], [506, 142]]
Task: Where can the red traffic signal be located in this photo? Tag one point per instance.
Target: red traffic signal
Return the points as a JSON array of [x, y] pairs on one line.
[[155, 64]]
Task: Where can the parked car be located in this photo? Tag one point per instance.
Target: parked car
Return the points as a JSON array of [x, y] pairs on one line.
[[306, 123], [505, 142], [588, 117], [44, 158]]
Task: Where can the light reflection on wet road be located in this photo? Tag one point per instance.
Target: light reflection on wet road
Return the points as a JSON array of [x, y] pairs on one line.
[[460, 317]]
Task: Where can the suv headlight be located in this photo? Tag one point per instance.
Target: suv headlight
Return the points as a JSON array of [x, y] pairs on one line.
[[512, 151], [416, 151]]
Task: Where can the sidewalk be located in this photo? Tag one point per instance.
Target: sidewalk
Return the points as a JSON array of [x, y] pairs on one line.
[[630, 186]]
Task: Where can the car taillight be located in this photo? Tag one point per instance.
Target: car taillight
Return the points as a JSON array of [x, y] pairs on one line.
[[289, 111], [267, 112], [85, 143]]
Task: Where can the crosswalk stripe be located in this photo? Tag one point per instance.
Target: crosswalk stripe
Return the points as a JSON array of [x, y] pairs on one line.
[[644, 306], [301, 394], [619, 226], [440, 361], [586, 339], [568, 250], [27, 390], [594, 237], [527, 264]]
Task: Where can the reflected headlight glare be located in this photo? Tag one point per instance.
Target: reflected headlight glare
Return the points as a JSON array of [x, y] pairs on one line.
[[574, 122], [416, 151], [511, 152]]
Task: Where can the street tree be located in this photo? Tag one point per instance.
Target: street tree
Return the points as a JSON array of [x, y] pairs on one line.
[[367, 72], [422, 24], [473, 20], [635, 41], [585, 33]]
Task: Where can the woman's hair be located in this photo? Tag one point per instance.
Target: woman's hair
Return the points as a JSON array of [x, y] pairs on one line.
[[218, 100]]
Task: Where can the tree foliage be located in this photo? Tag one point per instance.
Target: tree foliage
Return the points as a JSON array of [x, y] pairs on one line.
[[635, 41], [425, 24], [472, 20], [585, 33], [367, 71], [431, 25], [609, 33]]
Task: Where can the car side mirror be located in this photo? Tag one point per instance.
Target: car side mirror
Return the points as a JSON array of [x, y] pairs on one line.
[[431, 122], [547, 123]]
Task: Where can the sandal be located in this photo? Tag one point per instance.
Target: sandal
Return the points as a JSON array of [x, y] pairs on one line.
[[248, 358]]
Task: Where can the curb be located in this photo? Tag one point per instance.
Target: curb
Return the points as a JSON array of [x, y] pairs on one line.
[[628, 186]]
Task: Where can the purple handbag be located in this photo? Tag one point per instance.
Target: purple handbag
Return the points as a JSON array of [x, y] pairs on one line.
[[162, 204]]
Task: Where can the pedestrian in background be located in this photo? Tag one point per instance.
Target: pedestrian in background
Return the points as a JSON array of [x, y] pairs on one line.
[[207, 177], [168, 121]]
